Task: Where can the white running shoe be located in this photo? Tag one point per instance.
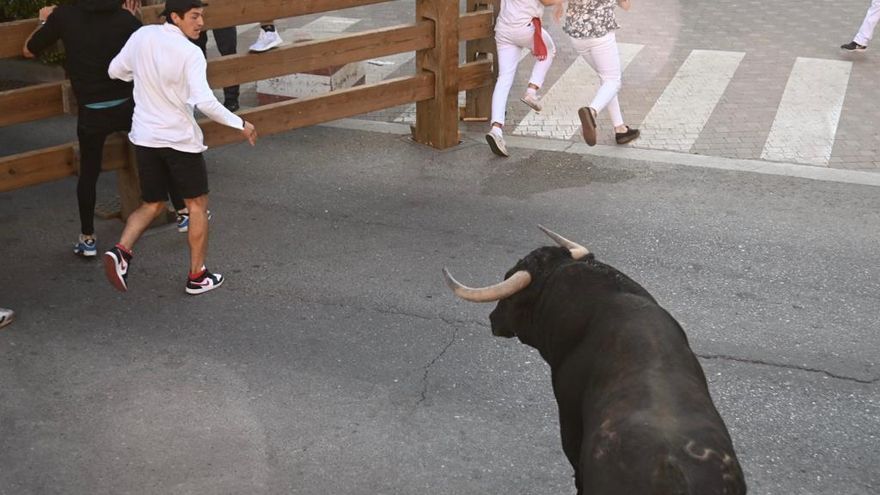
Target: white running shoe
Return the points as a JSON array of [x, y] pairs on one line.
[[496, 143], [532, 101], [6, 317], [267, 41]]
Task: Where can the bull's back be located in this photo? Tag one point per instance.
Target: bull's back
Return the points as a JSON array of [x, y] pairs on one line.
[[644, 458], [650, 426]]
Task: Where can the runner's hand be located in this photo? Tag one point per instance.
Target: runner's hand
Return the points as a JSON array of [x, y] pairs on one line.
[[132, 6], [45, 12], [249, 132], [624, 4]]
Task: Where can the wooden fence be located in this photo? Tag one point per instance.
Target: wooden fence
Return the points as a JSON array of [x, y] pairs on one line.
[[435, 37]]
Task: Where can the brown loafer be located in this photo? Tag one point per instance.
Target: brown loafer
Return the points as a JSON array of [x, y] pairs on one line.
[[588, 125], [625, 137]]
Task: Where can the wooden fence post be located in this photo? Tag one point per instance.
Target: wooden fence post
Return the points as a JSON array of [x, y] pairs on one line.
[[437, 118], [478, 105], [128, 183]]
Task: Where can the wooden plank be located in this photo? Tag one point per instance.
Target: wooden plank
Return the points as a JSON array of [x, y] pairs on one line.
[[476, 25], [294, 114], [36, 167], [480, 46], [220, 13], [437, 119], [56, 162], [224, 13], [128, 184], [37, 102], [473, 75], [303, 57], [31, 103], [13, 34]]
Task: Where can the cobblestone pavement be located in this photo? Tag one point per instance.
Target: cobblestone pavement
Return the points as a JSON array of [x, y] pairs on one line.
[[738, 79]]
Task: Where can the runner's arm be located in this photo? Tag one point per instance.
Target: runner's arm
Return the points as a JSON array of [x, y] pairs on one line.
[[47, 32], [202, 97]]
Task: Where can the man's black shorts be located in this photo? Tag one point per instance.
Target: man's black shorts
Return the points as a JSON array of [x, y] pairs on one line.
[[162, 169]]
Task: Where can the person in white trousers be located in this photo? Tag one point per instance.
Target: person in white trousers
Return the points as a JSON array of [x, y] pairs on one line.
[[519, 26], [591, 24], [866, 30]]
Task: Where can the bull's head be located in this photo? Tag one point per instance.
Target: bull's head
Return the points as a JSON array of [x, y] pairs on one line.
[[516, 295]]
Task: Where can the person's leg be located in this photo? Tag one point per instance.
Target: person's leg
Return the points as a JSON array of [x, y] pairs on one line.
[[91, 148], [138, 221], [198, 232], [606, 62], [539, 71], [227, 41], [866, 30], [508, 59], [153, 173], [189, 177], [872, 16]]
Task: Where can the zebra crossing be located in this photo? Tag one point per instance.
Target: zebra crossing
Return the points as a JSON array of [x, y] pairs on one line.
[[804, 131]]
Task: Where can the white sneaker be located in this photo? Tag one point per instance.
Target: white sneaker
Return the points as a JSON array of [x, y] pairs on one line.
[[496, 142], [532, 101], [267, 41], [6, 317]]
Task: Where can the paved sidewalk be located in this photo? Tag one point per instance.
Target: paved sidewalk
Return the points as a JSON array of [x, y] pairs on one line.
[[757, 81]]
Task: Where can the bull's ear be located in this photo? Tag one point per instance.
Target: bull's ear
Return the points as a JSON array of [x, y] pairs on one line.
[[577, 251], [515, 283]]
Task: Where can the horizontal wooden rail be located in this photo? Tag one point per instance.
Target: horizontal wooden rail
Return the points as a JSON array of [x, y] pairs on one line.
[[57, 162], [476, 25], [473, 75], [35, 167], [12, 36], [295, 114], [31, 103], [225, 13], [220, 13], [38, 102], [311, 55]]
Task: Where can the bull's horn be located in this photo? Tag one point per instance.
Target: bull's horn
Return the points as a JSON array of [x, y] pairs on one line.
[[517, 282], [577, 251]]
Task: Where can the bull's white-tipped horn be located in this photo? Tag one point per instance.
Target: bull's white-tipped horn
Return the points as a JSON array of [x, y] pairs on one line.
[[517, 282], [577, 251]]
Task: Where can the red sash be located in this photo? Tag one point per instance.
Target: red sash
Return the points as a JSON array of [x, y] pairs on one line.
[[540, 49]]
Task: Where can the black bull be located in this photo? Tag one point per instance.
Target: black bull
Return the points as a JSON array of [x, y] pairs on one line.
[[635, 413]]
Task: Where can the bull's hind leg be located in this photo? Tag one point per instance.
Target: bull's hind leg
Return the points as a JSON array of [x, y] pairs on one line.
[[571, 433]]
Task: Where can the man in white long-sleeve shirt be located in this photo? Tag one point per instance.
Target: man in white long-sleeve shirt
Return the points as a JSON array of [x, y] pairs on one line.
[[169, 74]]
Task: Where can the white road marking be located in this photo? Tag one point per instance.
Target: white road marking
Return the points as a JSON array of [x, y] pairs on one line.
[[679, 115], [806, 120]]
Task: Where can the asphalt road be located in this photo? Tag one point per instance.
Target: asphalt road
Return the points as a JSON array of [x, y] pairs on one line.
[[334, 359]]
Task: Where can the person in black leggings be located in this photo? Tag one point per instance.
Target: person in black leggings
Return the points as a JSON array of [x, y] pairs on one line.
[[93, 32]]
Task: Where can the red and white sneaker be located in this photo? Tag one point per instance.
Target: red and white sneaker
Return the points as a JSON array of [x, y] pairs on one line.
[[203, 282], [116, 267]]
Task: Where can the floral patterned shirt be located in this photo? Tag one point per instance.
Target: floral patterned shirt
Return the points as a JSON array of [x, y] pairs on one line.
[[590, 18]]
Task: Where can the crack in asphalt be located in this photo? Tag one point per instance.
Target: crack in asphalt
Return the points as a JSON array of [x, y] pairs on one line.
[[423, 395], [725, 357], [455, 323]]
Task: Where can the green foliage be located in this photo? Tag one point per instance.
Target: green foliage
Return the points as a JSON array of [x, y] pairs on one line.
[[11, 10]]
